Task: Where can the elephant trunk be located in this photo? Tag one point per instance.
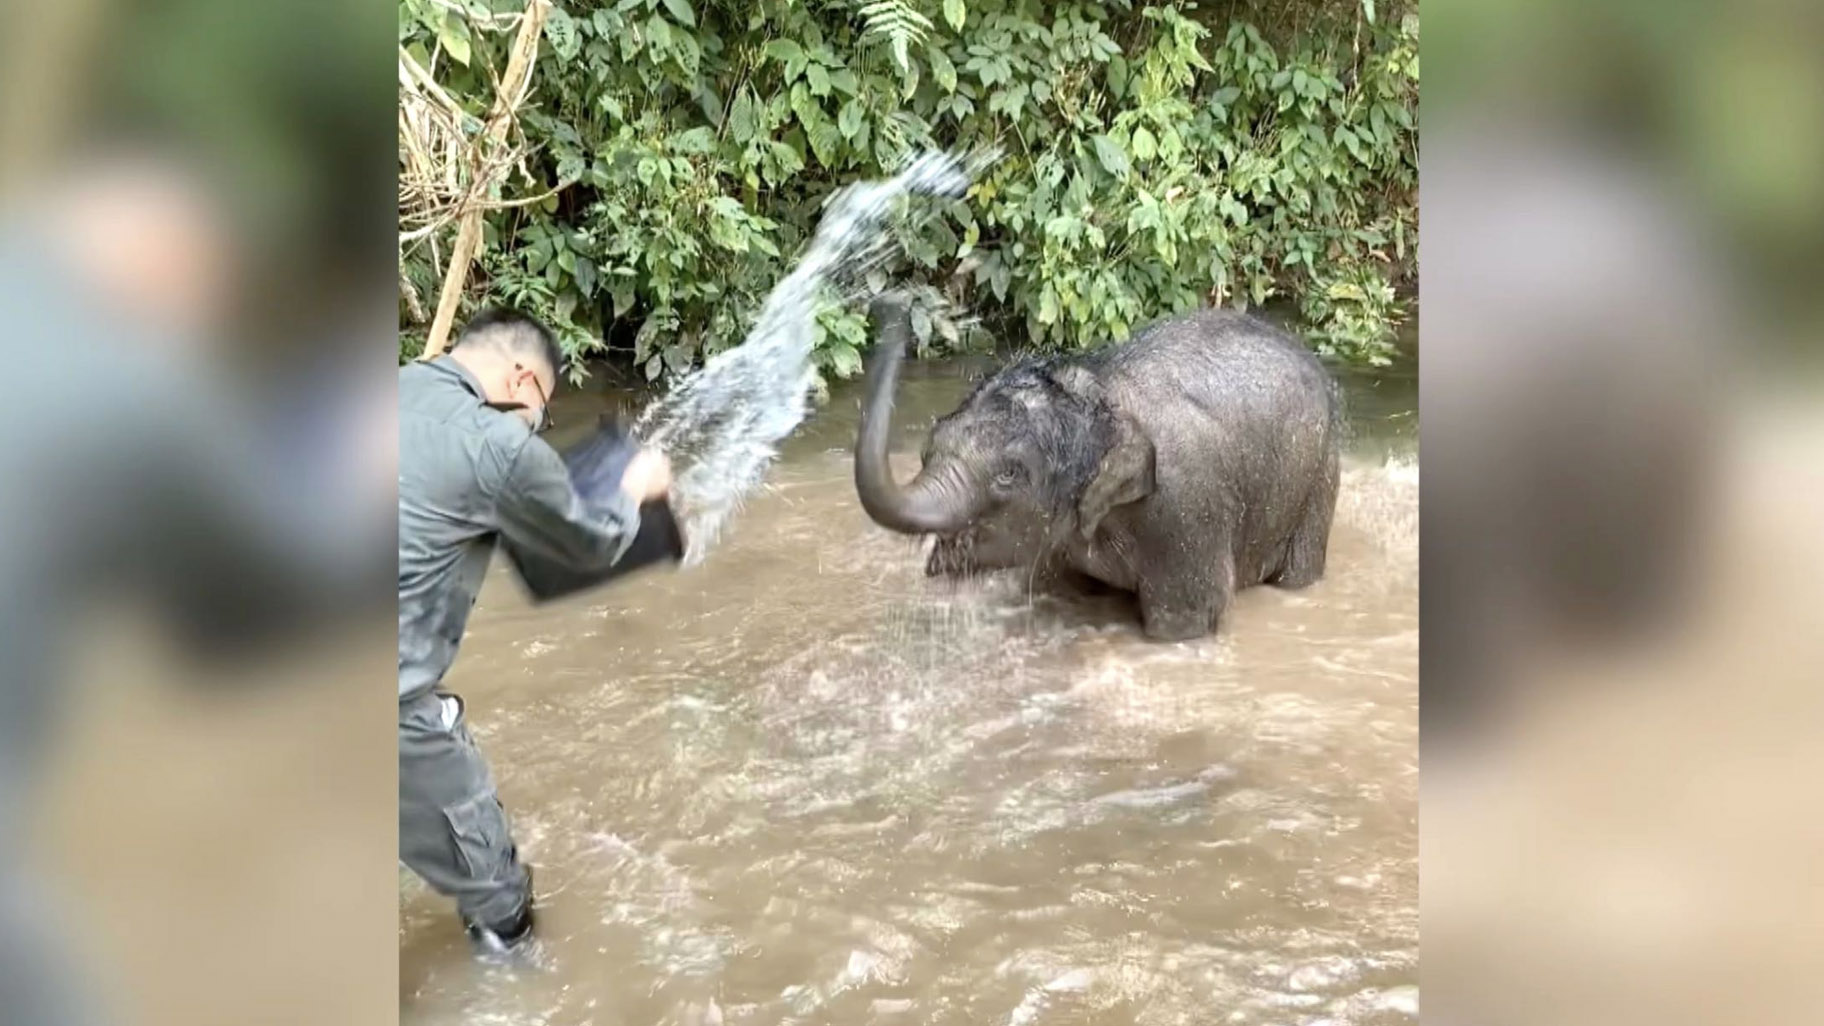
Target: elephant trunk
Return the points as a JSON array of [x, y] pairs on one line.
[[924, 506]]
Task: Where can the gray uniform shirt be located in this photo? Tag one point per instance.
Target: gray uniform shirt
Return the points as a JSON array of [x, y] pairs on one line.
[[129, 472], [469, 474]]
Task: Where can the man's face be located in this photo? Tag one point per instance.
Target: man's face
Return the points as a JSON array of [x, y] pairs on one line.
[[158, 245]]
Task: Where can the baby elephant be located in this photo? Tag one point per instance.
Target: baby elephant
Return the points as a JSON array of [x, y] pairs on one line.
[[1198, 458]]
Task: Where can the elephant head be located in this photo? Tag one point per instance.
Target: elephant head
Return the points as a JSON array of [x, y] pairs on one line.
[[1032, 461]]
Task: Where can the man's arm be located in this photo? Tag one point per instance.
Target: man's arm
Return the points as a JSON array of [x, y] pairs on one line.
[[241, 554], [540, 512]]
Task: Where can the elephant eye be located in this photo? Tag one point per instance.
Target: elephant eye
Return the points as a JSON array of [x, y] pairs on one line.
[[1007, 476]]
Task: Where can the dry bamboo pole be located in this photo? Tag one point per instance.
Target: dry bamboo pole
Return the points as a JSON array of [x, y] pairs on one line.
[[513, 86]]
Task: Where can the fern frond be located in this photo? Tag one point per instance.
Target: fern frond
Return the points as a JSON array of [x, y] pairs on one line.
[[897, 22]]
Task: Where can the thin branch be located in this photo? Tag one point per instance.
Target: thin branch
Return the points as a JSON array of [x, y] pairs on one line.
[[514, 85]]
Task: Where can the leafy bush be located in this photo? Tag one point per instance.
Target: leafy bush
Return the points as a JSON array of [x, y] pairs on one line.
[[1156, 158]]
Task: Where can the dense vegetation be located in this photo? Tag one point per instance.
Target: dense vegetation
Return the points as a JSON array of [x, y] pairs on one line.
[[1156, 157]]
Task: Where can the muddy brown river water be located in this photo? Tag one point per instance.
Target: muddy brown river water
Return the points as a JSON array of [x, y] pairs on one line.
[[801, 783]]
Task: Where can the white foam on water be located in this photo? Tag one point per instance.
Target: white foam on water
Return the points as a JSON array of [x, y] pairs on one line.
[[1383, 502]]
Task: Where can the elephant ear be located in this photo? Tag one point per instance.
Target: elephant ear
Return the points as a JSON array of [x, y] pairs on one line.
[[1079, 381], [1124, 475]]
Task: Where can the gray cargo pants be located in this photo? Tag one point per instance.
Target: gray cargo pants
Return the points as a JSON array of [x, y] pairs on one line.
[[452, 830]]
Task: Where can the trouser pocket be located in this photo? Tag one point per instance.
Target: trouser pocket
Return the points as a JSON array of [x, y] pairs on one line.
[[453, 831], [483, 843]]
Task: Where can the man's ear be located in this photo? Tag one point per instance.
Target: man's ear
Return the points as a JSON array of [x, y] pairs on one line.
[[1124, 475]]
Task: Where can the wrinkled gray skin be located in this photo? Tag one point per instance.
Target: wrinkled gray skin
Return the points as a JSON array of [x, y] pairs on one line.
[[1199, 458]]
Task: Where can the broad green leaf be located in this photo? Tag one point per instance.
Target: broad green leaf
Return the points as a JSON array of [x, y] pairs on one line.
[[1048, 305], [689, 51], [727, 234], [805, 106], [699, 140], [560, 29], [954, 14], [1000, 280], [710, 103], [1171, 145], [1368, 10], [454, 35], [1145, 146], [1351, 143], [569, 167], [826, 141], [788, 53], [971, 235], [1117, 76], [819, 80], [849, 121], [744, 118], [788, 157], [943, 71], [658, 30], [680, 9], [844, 360], [1114, 161]]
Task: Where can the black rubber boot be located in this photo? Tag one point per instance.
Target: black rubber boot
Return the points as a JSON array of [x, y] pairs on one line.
[[505, 936]]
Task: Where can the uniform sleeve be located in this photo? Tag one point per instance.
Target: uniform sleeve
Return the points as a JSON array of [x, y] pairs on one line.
[[540, 512], [240, 553]]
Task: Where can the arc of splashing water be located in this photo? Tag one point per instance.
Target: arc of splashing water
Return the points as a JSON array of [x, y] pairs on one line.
[[722, 425]]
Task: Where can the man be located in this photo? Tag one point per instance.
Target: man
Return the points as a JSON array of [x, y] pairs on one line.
[[116, 286], [472, 470]]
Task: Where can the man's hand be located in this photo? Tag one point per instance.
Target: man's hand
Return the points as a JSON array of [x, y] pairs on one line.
[[648, 476]]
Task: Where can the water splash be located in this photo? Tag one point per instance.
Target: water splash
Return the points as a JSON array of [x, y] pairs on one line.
[[722, 425]]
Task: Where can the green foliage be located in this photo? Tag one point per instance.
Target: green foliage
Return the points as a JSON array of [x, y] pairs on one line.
[[1157, 158]]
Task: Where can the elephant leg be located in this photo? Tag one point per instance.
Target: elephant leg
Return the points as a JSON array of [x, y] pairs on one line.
[[1310, 541], [1177, 604]]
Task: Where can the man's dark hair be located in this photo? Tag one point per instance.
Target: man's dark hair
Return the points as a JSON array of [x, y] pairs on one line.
[[510, 331]]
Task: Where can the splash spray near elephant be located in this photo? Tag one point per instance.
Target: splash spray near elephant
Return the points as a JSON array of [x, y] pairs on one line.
[[1199, 458]]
